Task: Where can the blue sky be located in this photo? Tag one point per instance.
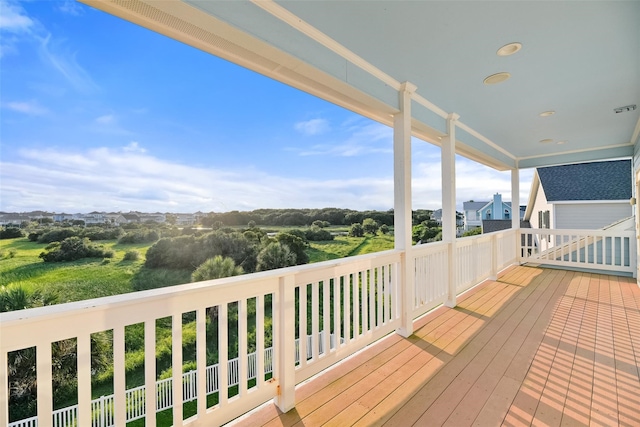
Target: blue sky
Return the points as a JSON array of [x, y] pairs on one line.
[[99, 114]]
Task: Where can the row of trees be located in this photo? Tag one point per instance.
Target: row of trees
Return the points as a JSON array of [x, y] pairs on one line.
[[302, 217]]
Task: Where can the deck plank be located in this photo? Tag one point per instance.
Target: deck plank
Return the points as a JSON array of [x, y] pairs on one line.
[[536, 347]]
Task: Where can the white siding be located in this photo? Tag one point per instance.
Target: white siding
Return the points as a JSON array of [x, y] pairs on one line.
[[541, 204], [590, 216]]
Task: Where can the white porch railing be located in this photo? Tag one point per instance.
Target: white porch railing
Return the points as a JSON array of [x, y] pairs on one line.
[[611, 250], [340, 307]]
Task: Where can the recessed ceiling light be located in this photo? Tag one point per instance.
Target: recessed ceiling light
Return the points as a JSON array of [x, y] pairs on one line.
[[561, 142], [509, 49], [546, 141], [496, 78], [547, 113]]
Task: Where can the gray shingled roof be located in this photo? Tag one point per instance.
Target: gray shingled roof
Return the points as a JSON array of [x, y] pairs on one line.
[[491, 225], [468, 206], [587, 181]]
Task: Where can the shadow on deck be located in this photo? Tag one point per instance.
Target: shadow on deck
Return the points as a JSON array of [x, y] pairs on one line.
[[541, 346]]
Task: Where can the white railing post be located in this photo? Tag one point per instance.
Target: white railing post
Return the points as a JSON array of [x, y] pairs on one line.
[[84, 380], [176, 368], [284, 343], [493, 274], [119, 378], [151, 399], [201, 360], [45, 387]]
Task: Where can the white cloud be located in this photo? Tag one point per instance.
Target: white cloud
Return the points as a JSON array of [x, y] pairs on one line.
[[54, 53], [106, 119], [357, 139], [13, 18], [71, 7], [31, 108], [130, 178], [106, 179], [312, 127], [14, 25], [134, 147]]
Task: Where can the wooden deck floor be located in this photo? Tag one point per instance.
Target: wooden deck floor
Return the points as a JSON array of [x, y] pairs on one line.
[[536, 347]]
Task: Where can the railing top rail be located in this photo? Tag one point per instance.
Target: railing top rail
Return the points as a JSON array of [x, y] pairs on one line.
[[579, 232], [65, 321], [133, 298]]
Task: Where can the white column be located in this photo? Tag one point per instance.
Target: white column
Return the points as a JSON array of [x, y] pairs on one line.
[[515, 208], [448, 152], [402, 203], [515, 198]]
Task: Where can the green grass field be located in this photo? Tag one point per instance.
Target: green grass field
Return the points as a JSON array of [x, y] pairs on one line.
[[93, 277]]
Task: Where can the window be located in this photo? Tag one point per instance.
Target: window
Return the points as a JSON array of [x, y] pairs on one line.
[[506, 214], [544, 219]]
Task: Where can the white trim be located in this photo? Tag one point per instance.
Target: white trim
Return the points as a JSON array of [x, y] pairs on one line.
[[307, 29], [586, 150], [636, 133], [584, 202]]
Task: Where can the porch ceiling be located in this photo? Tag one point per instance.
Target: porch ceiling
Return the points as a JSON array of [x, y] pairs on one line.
[[580, 59]]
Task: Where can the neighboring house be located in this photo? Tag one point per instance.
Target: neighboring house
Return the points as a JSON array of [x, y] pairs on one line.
[[185, 219], [131, 217], [13, 219], [472, 217], [437, 216], [496, 209], [158, 217], [115, 218], [476, 212], [491, 225], [64, 217], [580, 196], [94, 218]]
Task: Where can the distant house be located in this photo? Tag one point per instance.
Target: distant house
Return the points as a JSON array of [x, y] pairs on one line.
[[12, 219], [94, 218], [580, 196], [185, 219], [437, 216], [115, 218], [158, 217], [131, 217], [476, 212], [64, 217], [472, 217]]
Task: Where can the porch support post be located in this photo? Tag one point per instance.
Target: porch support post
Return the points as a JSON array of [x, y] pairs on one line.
[[515, 209], [448, 152], [402, 204]]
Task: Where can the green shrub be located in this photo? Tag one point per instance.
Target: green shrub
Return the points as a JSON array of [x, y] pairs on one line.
[[296, 245], [216, 268], [131, 255], [140, 236], [275, 255], [356, 230], [74, 248], [59, 234], [317, 234], [188, 252], [10, 233]]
